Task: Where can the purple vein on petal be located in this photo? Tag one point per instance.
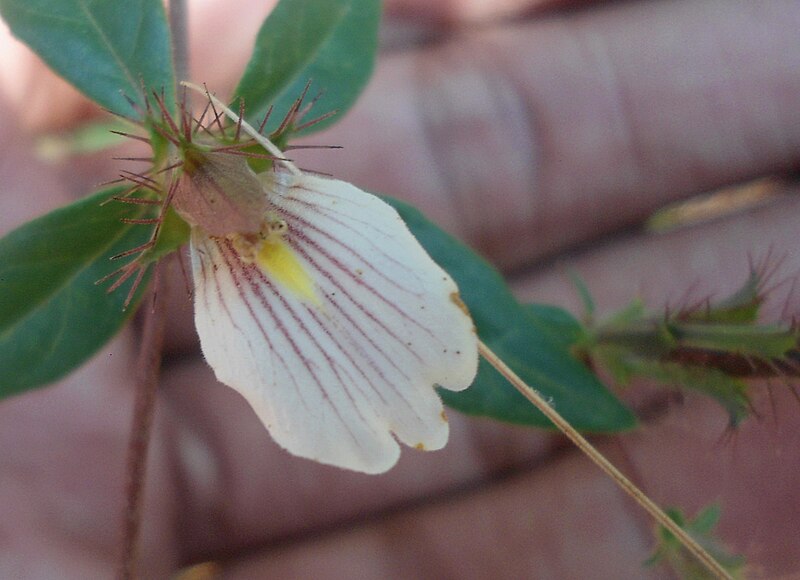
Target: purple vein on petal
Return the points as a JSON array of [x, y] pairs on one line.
[[273, 352], [335, 367], [299, 236], [232, 268], [250, 346], [331, 364], [342, 291], [308, 225], [358, 280], [360, 307], [374, 366], [250, 273], [302, 225]]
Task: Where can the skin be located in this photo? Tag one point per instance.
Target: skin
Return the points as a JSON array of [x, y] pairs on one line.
[[543, 137]]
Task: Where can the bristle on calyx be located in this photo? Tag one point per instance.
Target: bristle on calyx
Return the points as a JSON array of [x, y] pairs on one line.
[[261, 139]]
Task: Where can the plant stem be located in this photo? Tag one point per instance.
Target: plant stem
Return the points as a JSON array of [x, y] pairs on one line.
[[179, 27], [148, 367], [587, 448], [149, 361]]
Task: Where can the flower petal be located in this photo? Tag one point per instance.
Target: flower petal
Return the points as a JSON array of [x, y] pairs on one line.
[[337, 336]]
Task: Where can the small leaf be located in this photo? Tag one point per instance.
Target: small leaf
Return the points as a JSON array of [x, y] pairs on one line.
[[526, 338], [583, 293], [740, 307], [106, 49], [707, 519], [750, 340], [671, 553], [52, 314], [331, 43]]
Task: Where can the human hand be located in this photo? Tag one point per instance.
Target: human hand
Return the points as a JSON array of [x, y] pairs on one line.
[[533, 140]]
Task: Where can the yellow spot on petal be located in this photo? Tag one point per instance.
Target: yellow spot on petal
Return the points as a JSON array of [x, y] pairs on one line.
[[420, 446], [278, 261], [444, 416]]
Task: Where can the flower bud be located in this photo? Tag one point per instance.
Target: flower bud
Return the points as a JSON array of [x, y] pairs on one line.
[[219, 193]]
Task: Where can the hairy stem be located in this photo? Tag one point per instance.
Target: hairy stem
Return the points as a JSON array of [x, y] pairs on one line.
[[149, 363], [587, 448], [148, 367]]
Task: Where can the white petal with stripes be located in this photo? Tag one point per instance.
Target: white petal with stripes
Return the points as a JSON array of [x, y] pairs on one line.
[[338, 331]]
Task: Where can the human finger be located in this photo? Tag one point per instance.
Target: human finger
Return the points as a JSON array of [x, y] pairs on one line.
[[684, 266], [529, 139], [452, 12], [562, 518]]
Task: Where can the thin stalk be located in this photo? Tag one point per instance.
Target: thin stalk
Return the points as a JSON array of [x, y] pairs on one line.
[[148, 367], [149, 361], [587, 448], [179, 27]]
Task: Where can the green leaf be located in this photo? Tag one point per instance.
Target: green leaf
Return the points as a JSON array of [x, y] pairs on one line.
[[529, 339], [104, 48], [561, 326], [52, 314], [331, 43]]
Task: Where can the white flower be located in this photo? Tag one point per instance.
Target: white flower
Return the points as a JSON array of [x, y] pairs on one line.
[[331, 319]]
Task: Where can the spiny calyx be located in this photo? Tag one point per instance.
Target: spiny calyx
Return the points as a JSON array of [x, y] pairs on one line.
[[219, 193]]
